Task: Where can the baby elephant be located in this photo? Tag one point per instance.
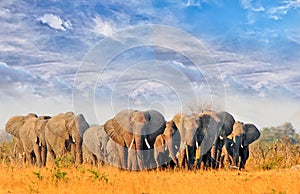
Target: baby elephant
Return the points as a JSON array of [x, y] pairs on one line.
[[166, 145]]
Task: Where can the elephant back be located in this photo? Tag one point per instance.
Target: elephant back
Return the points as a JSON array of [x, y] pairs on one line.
[[14, 124]]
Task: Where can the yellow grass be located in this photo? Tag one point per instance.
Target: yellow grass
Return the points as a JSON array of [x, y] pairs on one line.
[[87, 179]]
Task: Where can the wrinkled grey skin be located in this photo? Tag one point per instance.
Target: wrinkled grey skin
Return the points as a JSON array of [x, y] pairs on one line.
[[95, 141], [167, 145], [237, 145], [64, 133], [227, 122], [196, 130], [32, 136], [134, 133]]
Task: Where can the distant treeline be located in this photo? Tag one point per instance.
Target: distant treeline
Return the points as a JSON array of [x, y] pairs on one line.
[[277, 147]]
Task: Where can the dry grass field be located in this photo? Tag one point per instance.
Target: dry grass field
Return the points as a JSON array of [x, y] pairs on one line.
[[88, 179]]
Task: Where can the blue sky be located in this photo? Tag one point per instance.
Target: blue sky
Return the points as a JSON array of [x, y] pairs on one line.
[[254, 46]]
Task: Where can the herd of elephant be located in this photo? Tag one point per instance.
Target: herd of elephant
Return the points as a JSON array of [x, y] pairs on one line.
[[135, 140]]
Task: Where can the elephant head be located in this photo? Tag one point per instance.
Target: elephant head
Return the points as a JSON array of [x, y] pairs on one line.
[[134, 131], [242, 136], [172, 139], [195, 130]]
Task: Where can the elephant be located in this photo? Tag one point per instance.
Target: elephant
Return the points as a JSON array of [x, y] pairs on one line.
[[227, 122], [12, 127], [64, 133], [197, 130], [94, 144], [32, 136], [237, 144], [134, 133], [167, 145]]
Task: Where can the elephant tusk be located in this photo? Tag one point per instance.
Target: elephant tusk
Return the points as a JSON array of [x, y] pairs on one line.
[[131, 145], [147, 143], [231, 145], [197, 145], [221, 138], [73, 140], [166, 147], [187, 153], [176, 147], [242, 146]]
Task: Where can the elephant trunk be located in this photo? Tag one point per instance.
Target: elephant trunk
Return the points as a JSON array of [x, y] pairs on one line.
[[172, 151], [139, 140], [236, 150]]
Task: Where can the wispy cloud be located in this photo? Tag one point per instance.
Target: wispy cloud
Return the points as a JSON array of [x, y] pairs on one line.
[[277, 12], [101, 27]]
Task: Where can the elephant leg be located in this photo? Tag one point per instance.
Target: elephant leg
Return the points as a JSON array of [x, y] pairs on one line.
[[156, 157], [121, 156], [180, 158], [43, 155], [132, 160], [28, 158], [244, 156], [78, 153], [37, 153], [218, 152], [236, 151]]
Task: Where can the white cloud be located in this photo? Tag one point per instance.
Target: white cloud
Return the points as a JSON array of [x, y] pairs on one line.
[[55, 22], [276, 13], [101, 27]]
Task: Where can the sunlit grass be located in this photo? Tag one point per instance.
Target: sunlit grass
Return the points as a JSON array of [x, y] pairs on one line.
[[88, 179]]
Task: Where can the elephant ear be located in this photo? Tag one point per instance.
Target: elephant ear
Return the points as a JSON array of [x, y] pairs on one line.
[[227, 121], [157, 122], [211, 122], [177, 119], [14, 124], [114, 131], [251, 133], [123, 120], [208, 118], [81, 124]]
